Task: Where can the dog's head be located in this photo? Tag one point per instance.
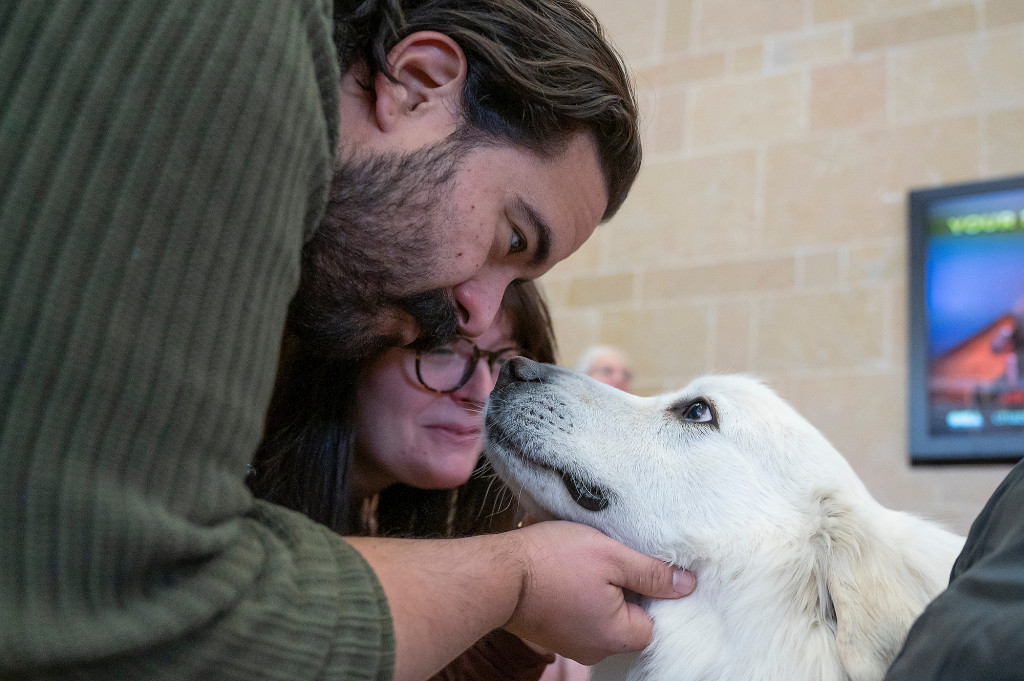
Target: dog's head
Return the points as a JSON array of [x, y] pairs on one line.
[[681, 476], [726, 478]]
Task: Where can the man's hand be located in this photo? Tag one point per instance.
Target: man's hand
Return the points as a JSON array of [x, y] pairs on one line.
[[572, 601], [556, 584]]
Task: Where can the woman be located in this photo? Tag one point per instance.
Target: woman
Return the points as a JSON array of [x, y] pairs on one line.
[[392, 447]]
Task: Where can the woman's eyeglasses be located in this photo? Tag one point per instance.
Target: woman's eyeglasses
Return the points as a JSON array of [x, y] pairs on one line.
[[449, 367]]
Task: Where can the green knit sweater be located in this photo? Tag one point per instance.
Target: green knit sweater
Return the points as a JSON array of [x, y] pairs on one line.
[[161, 163]]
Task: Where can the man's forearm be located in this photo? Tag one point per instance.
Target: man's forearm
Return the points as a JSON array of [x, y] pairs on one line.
[[444, 594]]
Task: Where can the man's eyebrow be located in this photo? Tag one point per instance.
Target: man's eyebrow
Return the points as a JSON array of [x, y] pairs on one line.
[[540, 227]]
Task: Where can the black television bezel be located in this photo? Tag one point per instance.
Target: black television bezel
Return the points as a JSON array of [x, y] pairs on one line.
[[925, 447]]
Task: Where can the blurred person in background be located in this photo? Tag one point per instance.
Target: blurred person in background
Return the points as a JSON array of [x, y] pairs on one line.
[[608, 364]]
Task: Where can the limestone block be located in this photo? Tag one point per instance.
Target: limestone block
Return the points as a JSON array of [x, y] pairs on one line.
[[880, 262], [746, 59], [664, 135], [748, 276], [815, 45], [1003, 12], [598, 289], [957, 76], [911, 28], [824, 11], [745, 111], [678, 25], [682, 208], [848, 95], [728, 22], [824, 269], [1003, 151], [629, 25], [841, 187], [682, 70], [575, 331], [731, 336], [843, 330], [662, 340]]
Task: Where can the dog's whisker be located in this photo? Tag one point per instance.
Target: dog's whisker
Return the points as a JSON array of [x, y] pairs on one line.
[[506, 498], [494, 496]]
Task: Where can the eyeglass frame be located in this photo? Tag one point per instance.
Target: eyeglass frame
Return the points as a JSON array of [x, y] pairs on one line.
[[491, 355]]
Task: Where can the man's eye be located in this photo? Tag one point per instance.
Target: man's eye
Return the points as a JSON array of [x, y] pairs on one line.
[[518, 242]]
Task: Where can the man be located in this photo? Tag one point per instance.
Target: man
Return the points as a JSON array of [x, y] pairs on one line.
[[162, 164], [607, 364]]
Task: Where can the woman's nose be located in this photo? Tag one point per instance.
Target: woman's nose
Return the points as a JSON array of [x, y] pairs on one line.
[[480, 383]]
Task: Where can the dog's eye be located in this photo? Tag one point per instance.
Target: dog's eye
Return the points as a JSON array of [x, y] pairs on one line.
[[698, 412]]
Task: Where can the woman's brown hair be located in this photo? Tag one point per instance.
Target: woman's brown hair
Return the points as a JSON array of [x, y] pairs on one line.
[[304, 459]]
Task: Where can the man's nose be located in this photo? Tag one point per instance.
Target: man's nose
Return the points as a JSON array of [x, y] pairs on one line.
[[478, 303]]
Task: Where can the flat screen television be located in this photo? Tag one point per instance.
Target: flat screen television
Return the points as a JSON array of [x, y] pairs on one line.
[[966, 291]]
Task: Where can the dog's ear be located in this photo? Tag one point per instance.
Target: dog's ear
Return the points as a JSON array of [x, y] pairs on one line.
[[869, 589]]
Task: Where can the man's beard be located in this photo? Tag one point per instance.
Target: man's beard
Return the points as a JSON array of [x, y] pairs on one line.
[[378, 245]]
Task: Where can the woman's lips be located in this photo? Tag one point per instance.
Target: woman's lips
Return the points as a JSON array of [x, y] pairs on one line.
[[458, 431]]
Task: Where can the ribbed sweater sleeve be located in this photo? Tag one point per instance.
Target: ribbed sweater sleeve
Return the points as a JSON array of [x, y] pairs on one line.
[[161, 163]]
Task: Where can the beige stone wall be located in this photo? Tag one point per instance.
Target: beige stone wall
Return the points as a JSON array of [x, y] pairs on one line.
[[767, 231]]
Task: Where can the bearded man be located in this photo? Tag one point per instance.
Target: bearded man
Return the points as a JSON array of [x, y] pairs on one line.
[[169, 171]]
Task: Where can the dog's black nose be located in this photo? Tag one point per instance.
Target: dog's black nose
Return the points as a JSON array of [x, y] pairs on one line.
[[520, 370]]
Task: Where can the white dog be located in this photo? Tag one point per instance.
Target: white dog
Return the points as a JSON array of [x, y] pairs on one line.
[[802, 575]]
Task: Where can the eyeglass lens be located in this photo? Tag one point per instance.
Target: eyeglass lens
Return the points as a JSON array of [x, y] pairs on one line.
[[449, 367]]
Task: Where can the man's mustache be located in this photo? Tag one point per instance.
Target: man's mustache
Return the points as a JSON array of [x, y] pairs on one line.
[[437, 315]]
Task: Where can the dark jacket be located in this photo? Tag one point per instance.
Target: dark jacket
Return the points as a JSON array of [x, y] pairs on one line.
[[975, 628]]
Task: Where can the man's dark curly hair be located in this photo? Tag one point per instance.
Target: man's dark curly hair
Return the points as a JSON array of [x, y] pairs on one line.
[[538, 71]]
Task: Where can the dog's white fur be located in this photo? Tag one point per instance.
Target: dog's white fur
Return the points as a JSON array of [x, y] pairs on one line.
[[802, 575]]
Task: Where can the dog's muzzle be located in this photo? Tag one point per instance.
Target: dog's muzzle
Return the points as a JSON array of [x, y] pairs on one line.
[[520, 370]]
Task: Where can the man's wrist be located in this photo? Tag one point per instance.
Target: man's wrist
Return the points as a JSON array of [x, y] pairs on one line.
[[520, 560]]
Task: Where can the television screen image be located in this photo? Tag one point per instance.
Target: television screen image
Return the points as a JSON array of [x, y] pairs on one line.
[[967, 322]]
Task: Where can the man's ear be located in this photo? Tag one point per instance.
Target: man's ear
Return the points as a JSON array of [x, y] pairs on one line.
[[429, 70]]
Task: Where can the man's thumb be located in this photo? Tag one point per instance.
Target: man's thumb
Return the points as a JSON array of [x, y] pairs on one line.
[[659, 580]]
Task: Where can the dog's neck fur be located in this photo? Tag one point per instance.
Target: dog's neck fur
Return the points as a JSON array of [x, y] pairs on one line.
[[728, 627]]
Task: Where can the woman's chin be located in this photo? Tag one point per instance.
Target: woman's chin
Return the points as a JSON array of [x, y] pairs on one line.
[[446, 477]]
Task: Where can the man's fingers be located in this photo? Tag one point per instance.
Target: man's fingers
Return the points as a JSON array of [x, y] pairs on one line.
[[659, 580], [633, 636], [641, 628], [572, 600], [683, 582]]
